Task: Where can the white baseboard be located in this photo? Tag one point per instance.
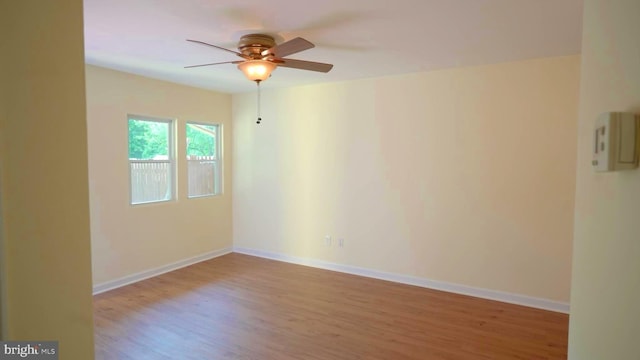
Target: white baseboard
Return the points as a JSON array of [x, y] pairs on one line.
[[524, 300], [133, 278]]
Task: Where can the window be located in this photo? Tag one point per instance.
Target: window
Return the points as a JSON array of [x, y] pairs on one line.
[[151, 160], [203, 159]]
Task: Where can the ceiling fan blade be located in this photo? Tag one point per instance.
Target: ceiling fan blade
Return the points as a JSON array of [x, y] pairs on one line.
[[219, 47], [304, 65], [217, 63], [289, 47]]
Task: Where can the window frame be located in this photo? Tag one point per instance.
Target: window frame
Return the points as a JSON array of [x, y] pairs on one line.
[[219, 166], [171, 138]]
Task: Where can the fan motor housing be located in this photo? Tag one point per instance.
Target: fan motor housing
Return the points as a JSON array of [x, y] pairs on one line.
[[254, 44]]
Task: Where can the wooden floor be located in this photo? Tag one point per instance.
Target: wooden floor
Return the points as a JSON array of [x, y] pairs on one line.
[[243, 307]]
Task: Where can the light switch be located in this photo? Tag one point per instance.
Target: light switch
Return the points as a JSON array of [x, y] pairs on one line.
[[616, 142]]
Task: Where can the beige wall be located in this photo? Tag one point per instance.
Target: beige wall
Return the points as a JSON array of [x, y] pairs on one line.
[[464, 176], [130, 239], [605, 316], [43, 163]]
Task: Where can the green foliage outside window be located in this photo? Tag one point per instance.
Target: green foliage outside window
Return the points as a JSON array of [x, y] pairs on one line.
[[201, 140], [148, 139]]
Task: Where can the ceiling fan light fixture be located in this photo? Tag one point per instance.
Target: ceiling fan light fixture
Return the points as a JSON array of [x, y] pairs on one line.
[[257, 70]]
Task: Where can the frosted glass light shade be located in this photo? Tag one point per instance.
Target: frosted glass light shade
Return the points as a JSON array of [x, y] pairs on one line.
[[257, 70]]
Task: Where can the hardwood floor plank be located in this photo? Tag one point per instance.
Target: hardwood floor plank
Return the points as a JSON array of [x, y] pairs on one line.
[[242, 307]]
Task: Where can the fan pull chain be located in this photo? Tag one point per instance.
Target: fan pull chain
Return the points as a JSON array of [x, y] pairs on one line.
[[259, 118]]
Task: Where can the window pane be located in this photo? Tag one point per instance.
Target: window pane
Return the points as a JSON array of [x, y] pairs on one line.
[[202, 159], [201, 140], [148, 140], [150, 181], [202, 176]]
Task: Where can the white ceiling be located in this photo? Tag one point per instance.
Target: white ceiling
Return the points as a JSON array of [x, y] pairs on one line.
[[362, 38]]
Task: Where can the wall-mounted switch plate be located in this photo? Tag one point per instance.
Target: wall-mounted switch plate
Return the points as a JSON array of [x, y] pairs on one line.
[[615, 142]]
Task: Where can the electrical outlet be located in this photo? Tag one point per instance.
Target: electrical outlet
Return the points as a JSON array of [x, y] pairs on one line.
[[327, 240], [341, 242]]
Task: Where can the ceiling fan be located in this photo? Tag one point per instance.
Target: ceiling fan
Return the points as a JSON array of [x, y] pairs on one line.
[[262, 55]]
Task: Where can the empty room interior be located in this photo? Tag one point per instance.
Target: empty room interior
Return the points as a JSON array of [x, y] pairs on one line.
[[321, 180]]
